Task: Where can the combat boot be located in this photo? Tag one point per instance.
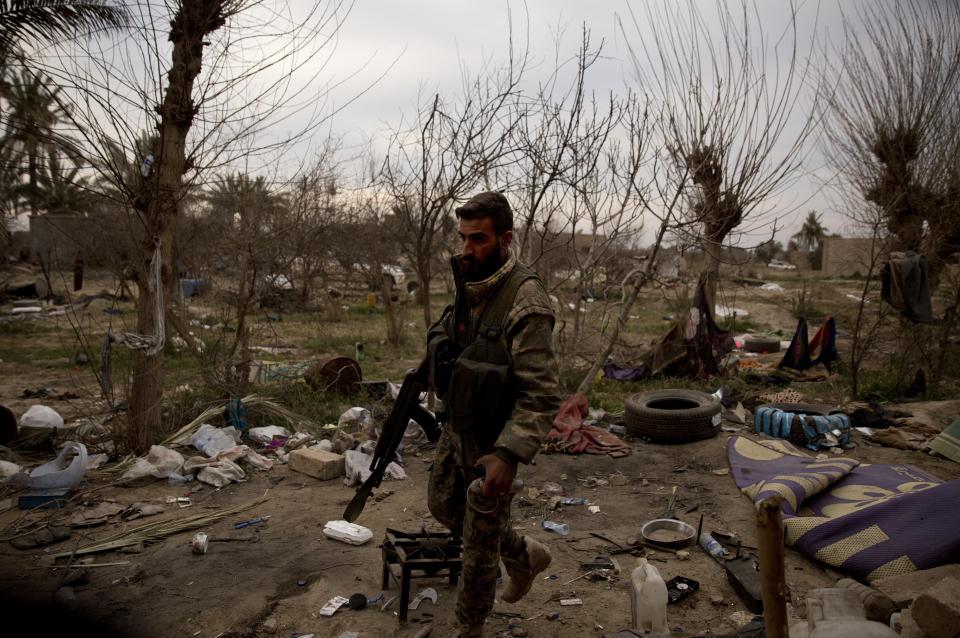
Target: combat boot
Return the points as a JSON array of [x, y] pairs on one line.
[[523, 569]]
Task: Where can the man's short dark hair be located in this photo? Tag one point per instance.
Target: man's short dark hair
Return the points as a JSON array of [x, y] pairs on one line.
[[490, 204]]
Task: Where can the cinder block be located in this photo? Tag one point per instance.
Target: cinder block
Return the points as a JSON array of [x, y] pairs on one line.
[[905, 588], [937, 610], [317, 463], [908, 626]]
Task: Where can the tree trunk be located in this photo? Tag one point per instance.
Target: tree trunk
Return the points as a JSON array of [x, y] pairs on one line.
[[712, 272], [194, 19], [423, 271]]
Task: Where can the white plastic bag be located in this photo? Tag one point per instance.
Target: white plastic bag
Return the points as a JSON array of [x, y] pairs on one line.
[[357, 419], [160, 462], [347, 532], [64, 471], [264, 435], [40, 416], [357, 468], [211, 440], [8, 469]]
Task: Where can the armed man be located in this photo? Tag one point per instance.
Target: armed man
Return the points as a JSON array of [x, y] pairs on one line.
[[491, 362]]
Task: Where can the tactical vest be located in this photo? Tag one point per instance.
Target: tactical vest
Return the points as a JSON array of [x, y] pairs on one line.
[[472, 372]]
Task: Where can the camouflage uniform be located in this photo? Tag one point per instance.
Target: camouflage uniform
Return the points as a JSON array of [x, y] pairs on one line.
[[484, 524]]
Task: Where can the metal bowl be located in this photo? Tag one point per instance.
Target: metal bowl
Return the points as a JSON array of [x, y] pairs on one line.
[[668, 532]]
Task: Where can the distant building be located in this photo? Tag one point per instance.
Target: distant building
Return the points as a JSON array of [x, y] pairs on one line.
[[846, 256]]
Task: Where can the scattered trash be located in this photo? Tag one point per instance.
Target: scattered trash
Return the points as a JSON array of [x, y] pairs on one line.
[[572, 500], [357, 419], [96, 515], [560, 528], [712, 547], [357, 465], [679, 587], [65, 471], [721, 472], [160, 462], [594, 509], [153, 532], [268, 434], [199, 544], [215, 472], [426, 594], [8, 469], [211, 440], [252, 521], [333, 605], [43, 537], [774, 287], [53, 498], [552, 489], [347, 532], [570, 602], [138, 510], [683, 555], [40, 416], [668, 532], [648, 600], [744, 576], [358, 602]]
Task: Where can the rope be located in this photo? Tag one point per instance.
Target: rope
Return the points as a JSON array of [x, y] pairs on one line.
[[150, 344]]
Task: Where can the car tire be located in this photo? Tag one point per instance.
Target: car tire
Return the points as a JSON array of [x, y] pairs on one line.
[[673, 416], [755, 343]]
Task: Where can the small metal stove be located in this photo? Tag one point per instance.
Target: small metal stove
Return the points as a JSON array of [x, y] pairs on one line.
[[419, 555]]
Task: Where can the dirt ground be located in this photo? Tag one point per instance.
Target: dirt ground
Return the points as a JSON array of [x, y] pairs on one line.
[[275, 578], [287, 570]]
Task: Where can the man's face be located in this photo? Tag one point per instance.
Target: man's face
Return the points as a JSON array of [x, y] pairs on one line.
[[482, 251]]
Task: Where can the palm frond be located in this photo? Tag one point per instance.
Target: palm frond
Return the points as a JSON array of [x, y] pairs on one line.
[[25, 21]]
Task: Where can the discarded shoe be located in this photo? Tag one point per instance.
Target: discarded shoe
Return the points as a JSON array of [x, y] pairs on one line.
[[536, 558], [41, 538]]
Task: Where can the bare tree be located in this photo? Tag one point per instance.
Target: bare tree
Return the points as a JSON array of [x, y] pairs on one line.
[[893, 122], [209, 103], [730, 94], [443, 153]]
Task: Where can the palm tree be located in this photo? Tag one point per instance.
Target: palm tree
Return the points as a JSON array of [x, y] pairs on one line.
[[59, 187], [811, 234], [34, 111], [23, 21]]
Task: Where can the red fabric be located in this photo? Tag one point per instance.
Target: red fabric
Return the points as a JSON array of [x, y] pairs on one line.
[[573, 437]]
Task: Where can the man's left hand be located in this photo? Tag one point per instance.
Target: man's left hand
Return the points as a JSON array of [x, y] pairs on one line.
[[498, 475]]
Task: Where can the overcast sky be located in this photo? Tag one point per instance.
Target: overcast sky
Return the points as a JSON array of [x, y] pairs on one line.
[[390, 53], [421, 45]]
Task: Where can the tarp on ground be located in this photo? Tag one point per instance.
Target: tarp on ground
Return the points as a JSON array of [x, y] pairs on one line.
[[870, 521], [693, 348]]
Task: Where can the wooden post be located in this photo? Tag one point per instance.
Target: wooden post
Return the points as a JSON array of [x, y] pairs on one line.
[[773, 582]]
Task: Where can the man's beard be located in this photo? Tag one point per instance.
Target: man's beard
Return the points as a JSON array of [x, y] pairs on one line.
[[474, 270]]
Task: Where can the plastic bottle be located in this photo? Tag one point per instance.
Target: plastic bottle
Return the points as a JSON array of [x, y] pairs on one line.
[[648, 601], [147, 165], [712, 547], [879, 606], [573, 500], [560, 528], [837, 612]]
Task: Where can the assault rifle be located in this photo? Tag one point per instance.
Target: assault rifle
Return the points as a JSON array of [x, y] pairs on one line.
[[406, 407]]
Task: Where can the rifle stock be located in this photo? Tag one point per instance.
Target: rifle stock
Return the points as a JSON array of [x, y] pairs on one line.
[[406, 407]]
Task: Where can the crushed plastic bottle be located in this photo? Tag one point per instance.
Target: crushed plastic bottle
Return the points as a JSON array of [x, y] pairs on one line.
[[560, 528], [147, 165], [712, 547], [573, 500]]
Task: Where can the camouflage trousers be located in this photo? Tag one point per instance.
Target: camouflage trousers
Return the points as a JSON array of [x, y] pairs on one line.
[[482, 523]]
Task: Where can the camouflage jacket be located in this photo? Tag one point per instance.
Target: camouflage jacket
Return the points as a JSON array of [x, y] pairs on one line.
[[529, 333]]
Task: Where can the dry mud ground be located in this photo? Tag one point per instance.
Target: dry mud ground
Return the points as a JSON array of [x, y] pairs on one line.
[[238, 586]]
